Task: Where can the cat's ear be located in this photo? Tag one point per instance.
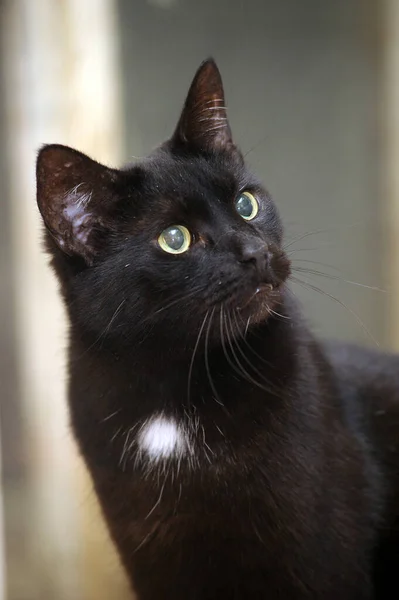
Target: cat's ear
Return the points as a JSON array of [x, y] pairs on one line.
[[203, 122], [75, 196]]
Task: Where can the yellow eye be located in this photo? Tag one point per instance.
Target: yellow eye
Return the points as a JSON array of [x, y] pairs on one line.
[[175, 239], [247, 206]]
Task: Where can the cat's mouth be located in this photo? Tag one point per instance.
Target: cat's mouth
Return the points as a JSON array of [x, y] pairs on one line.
[[259, 302], [252, 293], [262, 289]]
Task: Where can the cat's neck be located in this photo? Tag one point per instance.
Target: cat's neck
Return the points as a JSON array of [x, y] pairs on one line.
[[223, 401], [159, 376]]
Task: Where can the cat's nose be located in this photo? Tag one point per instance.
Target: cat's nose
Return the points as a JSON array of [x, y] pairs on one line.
[[256, 254]]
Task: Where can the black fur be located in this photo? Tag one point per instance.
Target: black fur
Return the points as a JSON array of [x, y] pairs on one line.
[[290, 485]]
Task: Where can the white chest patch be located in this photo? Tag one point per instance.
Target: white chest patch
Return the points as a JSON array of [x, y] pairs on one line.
[[161, 437]]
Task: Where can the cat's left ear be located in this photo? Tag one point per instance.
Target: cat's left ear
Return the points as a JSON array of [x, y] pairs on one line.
[[77, 197], [203, 122]]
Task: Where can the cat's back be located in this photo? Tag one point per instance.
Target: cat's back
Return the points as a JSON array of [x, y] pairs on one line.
[[369, 384], [372, 375]]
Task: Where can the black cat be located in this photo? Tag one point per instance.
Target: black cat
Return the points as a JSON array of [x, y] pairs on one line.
[[234, 456]]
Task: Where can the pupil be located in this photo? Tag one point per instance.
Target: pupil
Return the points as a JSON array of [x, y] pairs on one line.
[[174, 238], [244, 206]]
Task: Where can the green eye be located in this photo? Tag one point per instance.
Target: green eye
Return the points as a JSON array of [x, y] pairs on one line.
[[247, 206], [175, 239]]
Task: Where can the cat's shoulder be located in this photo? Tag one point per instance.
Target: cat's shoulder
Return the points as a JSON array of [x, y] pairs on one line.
[[363, 360], [370, 374]]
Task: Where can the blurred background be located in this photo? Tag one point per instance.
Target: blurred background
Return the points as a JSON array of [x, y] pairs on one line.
[[313, 95]]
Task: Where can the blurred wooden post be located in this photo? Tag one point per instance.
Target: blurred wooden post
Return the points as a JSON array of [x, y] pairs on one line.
[[3, 583], [390, 161], [62, 85]]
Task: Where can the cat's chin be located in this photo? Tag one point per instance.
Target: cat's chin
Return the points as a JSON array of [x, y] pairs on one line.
[[262, 290], [260, 304]]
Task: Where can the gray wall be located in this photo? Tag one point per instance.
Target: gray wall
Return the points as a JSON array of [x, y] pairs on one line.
[[301, 80]]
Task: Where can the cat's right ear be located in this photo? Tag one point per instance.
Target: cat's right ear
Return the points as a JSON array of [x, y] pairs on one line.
[[203, 123], [75, 196]]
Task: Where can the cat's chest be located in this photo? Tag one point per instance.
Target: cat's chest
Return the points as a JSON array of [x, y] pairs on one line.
[[168, 442], [203, 434], [153, 424]]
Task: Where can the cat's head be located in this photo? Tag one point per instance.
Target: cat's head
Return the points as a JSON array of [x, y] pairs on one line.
[[163, 245]]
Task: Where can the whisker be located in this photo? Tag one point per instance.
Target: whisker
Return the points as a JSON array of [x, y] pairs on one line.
[[106, 330], [126, 446], [117, 432], [239, 366], [308, 285], [296, 250], [247, 325], [242, 336], [111, 415], [314, 262], [232, 365], [144, 541], [291, 291], [336, 278], [257, 145], [305, 235], [277, 314], [157, 503], [327, 230], [270, 388], [247, 375], [208, 371], [174, 302], [190, 371]]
